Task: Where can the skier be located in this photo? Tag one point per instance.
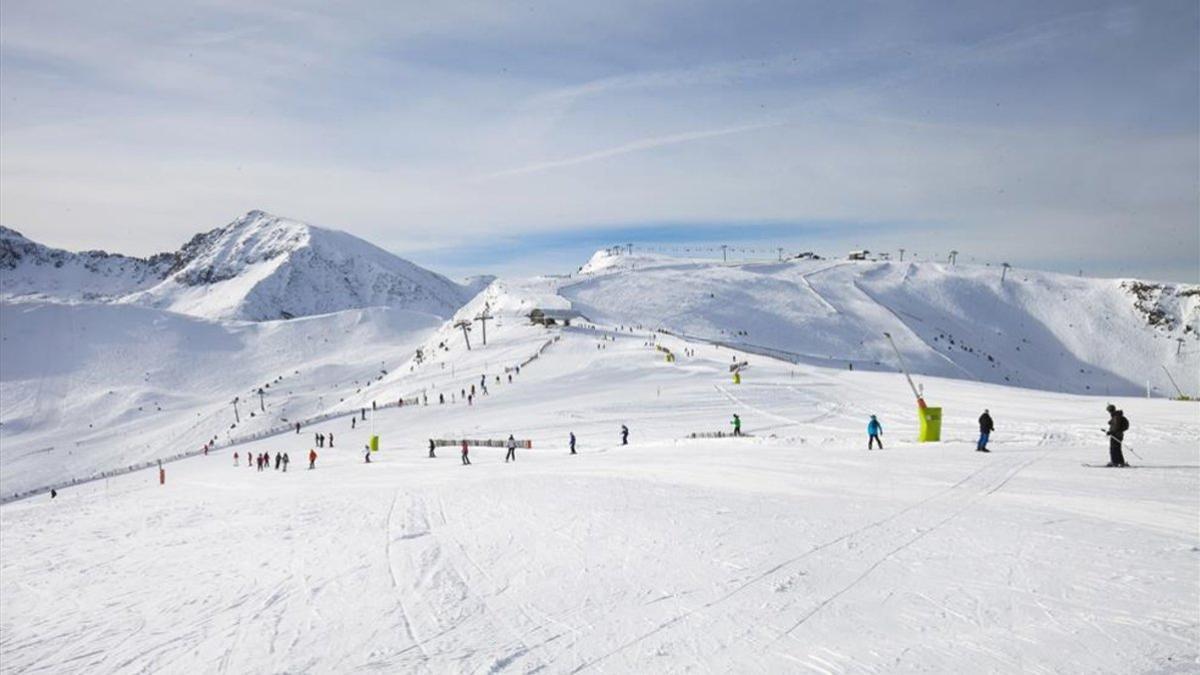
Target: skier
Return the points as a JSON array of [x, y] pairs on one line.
[[373, 408], [367, 454], [512, 450], [331, 439], [985, 430], [431, 448], [624, 435], [235, 459], [317, 440], [353, 422], [286, 461], [441, 399], [53, 493], [278, 460], [297, 427], [312, 458], [465, 458], [874, 431], [572, 442], [1118, 424], [737, 425], [363, 412]]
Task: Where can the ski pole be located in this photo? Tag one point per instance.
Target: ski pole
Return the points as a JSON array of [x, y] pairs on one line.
[[1123, 445]]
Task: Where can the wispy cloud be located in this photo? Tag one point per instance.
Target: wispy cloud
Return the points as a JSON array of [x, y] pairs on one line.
[[1019, 127], [639, 145]]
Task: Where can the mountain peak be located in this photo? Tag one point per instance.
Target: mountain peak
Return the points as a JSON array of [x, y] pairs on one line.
[[257, 267]]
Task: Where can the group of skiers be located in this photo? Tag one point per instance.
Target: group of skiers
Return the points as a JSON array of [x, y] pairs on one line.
[[262, 460], [1118, 424], [875, 432], [320, 439]]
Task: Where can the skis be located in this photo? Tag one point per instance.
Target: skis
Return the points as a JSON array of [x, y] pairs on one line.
[[1108, 466]]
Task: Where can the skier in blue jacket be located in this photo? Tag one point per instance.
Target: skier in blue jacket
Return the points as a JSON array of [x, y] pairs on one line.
[[874, 431]]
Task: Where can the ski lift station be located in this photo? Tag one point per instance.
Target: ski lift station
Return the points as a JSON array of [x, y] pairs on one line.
[[554, 317], [858, 255]]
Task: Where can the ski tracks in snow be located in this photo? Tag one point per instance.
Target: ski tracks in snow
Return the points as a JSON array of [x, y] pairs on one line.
[[850, 557], [446, 612]]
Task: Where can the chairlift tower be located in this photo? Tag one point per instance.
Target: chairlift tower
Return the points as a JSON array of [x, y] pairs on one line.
[[466, 327], [483, 318]]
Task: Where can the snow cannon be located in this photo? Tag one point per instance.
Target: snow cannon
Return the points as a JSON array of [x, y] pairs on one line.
[[374, 443], [736, 368], [930, 424], [929, 419]]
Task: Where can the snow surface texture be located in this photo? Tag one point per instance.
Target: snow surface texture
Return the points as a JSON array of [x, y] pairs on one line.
[[1036, 329], [94, 387], [793, 551], [259, 267]]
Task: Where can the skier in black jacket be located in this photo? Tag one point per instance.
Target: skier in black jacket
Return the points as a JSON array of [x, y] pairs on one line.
[[985, 430], [1117, 426]]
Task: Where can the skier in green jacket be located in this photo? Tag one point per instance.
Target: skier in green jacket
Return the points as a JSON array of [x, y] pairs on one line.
[[737, 425]]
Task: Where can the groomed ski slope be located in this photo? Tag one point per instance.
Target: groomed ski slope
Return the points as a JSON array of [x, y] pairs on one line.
[[1036, 330], [792, 551]]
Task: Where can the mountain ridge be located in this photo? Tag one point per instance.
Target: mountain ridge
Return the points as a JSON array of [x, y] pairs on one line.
[[257, 267]]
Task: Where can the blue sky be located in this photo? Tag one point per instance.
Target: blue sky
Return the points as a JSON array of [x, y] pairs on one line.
[[496, 137]]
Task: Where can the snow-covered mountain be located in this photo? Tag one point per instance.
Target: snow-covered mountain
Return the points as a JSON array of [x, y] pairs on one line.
[[1034, 329], [259, 267], [31, 270]]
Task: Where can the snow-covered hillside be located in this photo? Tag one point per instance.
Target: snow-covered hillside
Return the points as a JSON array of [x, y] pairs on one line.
[[1036, 329], [259, 267], [792, 550], [87, 388]]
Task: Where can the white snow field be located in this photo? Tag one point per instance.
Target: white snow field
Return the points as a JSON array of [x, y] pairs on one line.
[[794, 550], [1036, 329], [95, 387]]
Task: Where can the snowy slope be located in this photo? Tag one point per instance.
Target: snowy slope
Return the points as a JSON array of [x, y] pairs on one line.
[[259, 267], [96, 387], [794, 550], [1037, 329]]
